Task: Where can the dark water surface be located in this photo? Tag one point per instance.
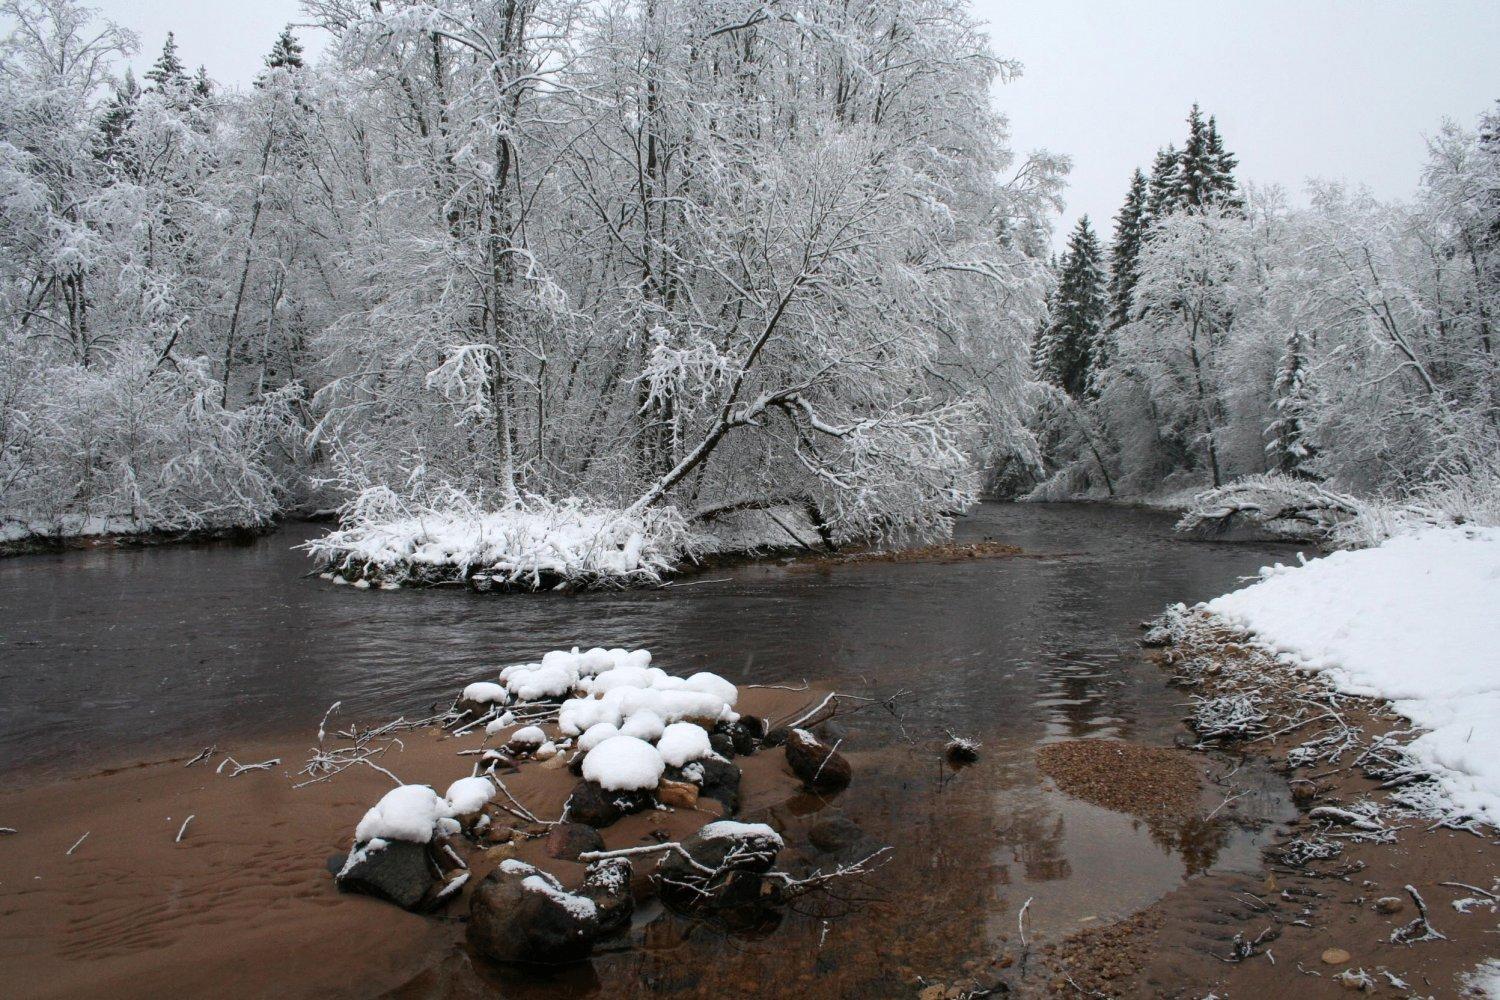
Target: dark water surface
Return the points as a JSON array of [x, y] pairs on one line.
[[114, 654]]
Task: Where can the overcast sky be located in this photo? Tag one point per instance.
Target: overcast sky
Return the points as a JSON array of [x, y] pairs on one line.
[[1327, 88]]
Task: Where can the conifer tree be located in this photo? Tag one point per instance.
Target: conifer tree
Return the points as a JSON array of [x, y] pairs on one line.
[[203, 87], [1125, 251], [1071, 341], [1198, 168], [1164, 192], [115, 121], [286, 53], [167, 72], [1222, 164]]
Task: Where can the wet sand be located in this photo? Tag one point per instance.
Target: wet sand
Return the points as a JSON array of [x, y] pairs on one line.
[[244, 905], [1320, 924]]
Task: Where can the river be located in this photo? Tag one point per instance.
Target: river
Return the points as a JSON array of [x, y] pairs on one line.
[[113, 655]]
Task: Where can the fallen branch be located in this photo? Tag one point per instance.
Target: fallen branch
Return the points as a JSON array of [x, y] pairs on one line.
[[182, 829], [80, 840]]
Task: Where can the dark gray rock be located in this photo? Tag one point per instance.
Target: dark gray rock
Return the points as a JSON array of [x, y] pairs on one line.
[[722, 743], [775, 737], [566, 841], [835, 834], [721, 782], [521, 914], [591, 804], [397, 872], [607, 883], [747, 733], [737, 855], [820, 767]]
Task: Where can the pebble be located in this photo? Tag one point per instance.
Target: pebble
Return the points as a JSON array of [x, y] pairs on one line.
[[1389, 904], [1335, 956]]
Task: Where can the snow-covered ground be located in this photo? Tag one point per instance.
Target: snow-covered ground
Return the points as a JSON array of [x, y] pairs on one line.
[[1415, 620]]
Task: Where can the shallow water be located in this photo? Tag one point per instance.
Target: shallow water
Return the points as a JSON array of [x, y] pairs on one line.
[[123, 654]]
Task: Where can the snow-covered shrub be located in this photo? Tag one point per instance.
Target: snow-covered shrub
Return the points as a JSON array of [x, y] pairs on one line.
[[531, 544], [131, 446]]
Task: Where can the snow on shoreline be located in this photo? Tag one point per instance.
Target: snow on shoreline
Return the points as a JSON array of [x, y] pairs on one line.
[[1415, 621]]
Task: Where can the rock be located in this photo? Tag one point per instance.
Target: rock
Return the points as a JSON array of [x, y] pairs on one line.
[[525, 741], [775, 737], [568, 840], [820, 767], [591, 804], [521, 914], [393, 870], [961, 750], [1390, 904], [722, 743], [721, 782], [679, 794], [835, 833], [607, 883], [747, 732], [556, 762], [1335, 956], [738, 854]]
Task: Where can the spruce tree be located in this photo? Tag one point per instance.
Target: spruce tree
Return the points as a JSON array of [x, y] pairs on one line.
[[286, 53], [203, 87], [1164, 191], [167, 73], [1197, 166], [1222, 185], [115, 121], [1067, 349], [1125, 251]]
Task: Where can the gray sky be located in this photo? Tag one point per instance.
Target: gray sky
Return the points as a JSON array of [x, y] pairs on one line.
[[1328, 88]]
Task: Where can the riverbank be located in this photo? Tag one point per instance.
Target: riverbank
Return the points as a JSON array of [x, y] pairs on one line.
[[201, 874], [1369, 680]]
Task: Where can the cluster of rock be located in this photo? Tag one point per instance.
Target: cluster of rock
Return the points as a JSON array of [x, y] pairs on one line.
[[637, 740]]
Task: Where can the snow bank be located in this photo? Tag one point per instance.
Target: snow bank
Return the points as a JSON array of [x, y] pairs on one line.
[[623, 764], [1416, 621], [534, 546], [410, 813]]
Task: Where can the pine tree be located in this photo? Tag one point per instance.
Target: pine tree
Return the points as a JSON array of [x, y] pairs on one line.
[[1067, 349], [167, 73], [1164, 191], [1125, 252]]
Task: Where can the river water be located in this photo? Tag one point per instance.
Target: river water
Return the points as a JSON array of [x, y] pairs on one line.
[[120, 654]]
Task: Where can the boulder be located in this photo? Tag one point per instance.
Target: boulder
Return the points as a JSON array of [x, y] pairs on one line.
[[722, 744], [737, 855], [566, 841], [820, 767], [747, 732], [521, 914], [721, 782], [678, 794], [591, 804], [607, 883], [393, 870], [775, 737], [835, 834]]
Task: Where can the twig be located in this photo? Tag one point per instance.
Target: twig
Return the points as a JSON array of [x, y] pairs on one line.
[[203, 755], [79, 841], [331, 709], [778, 687], [182, 829], [1471, 888], [1021, 919]]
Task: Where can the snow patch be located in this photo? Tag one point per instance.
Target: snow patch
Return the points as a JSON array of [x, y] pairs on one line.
[[1414, 621], [410, 813], [623, 764], [469, 795], [682, 742]]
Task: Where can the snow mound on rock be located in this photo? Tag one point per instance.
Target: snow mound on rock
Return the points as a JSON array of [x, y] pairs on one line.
[[410, 813], [623, 764], [485, 693], [469, 795], [682, 742]]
